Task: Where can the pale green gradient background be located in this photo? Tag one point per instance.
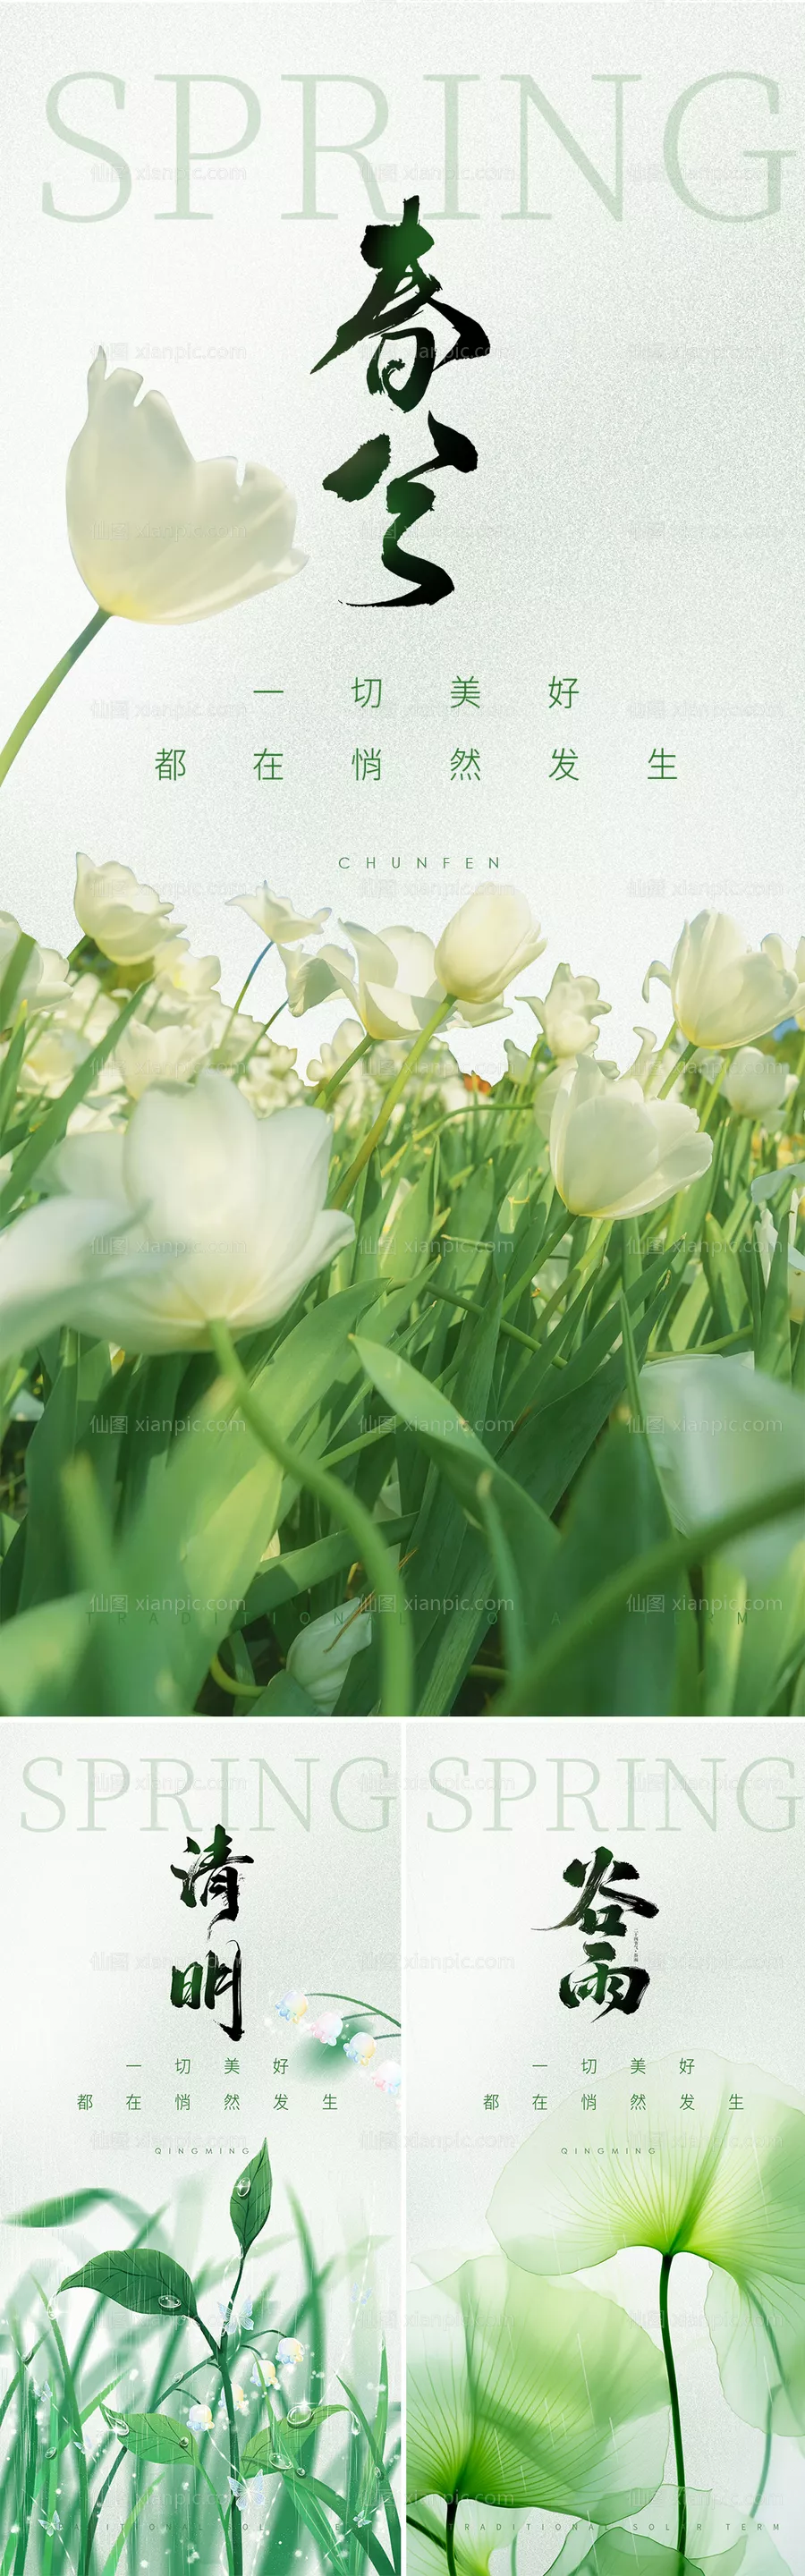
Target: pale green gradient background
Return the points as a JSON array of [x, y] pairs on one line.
[[724, 1954], [94, 1922]]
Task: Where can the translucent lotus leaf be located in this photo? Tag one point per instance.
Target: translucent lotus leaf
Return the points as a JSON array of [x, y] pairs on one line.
[[721, 2541], [521, 2394], [626, 2553], [480, 2529], [760, 2346], [724, 2179]]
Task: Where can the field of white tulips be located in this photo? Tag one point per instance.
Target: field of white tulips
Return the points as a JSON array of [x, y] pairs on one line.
[[385, 1389], [356, 1383]]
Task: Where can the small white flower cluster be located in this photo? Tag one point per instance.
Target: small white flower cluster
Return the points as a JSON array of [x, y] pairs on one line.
[[327, 2028]]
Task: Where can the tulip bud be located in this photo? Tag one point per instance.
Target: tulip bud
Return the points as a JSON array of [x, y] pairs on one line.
[[491, 939]]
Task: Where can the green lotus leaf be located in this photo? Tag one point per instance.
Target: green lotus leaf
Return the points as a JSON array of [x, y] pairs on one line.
[[521, 2394], [480, 2529], [724, 2180]]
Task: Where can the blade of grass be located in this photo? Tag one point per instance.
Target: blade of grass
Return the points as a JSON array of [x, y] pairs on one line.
[[118, 2545], [392, 2516], [53, 1126], [78, 2430], [642, 1574]]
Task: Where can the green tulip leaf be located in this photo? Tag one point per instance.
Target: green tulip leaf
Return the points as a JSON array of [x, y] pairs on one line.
[[278, 2446], [259, 2455], [71, 2205], [294, 2430], [162, 2438], [251, 2199], [152, 2284]]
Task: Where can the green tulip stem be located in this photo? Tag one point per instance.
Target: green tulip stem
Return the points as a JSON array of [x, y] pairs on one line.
[[242, 994], [389, 1104], [676, 1069], [449, 2534], [676, 2419], [349, 1513], [235, 2523], [229, 2540], [713, 1092], [325, 1091], [252, 972], [48, 690], [228, 2318], [664, 1044]]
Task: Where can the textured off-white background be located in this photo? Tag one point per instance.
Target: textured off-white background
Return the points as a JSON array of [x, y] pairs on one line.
[[635, 519]]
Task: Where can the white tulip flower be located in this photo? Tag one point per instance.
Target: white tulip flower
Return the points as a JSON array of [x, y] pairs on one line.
[[270, 1081], [127, 920], [334, 1052], [724, 993], [156, 536], [614, 1153], [50, 1062], [489, 940], [174, 1053], [570, 1012], [275, 916], [721, 1434], [53, 988], [545, 1095], [85, 1007], [398, 989], [518, 1063], [197, 1211], [321, 1654], [651, 1066], [180, 978], [756, 1086], [30, 988], [235, 1035], [790, 961], [310, 979]]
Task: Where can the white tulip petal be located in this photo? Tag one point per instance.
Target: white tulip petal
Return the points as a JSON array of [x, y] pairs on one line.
[[156, 536]]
